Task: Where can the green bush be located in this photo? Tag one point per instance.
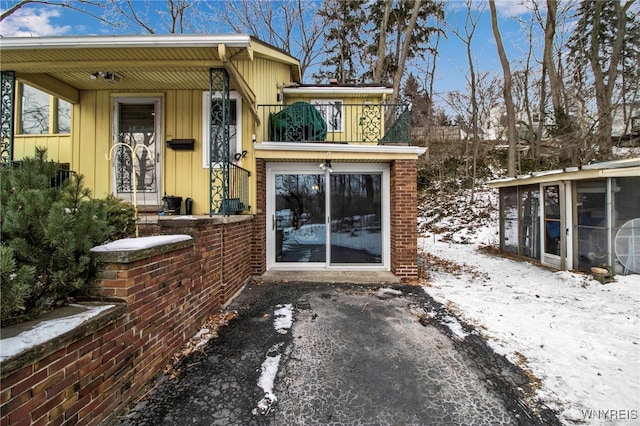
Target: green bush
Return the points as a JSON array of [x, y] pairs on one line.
[[47, 234]]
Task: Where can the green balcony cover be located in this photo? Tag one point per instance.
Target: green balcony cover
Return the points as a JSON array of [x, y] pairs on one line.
[[298, 122]]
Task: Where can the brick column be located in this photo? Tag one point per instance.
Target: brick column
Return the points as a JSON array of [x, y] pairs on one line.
[[404, 226], [259, 240]]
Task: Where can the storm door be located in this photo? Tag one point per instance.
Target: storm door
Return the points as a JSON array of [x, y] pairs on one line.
[[332, 218], [136, 132], [555, 225]]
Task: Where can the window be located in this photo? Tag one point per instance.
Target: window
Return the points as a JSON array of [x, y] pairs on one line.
[[42, 113], [235, 127], [63, 119], [331, 111]]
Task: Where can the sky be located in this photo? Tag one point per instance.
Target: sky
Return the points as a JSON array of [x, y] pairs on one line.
[[451, 70]]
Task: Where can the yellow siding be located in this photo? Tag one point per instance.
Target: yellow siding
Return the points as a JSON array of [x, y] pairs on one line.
[[182, 171], [183, 174], [263, 76], [58, 146]]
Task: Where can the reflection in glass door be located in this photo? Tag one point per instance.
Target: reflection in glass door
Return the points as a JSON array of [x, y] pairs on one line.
[[300, 230], [552, 225], [325, 219], [137, 123], [356, 217]]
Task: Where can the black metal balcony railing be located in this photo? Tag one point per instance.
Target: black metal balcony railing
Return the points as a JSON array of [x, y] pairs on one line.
[[336, 122]]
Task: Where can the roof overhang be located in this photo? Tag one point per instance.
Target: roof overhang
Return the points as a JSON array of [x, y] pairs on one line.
[[300, 152], [126, 41], [629, 167], [337, 90], [63, 66]]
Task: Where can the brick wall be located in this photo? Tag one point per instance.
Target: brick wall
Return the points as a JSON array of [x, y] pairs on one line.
[[89, 376], [404, 231], [259, 245]]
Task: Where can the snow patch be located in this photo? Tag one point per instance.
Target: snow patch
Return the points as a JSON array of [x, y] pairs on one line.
[[387, 293], [269, 371], [131, 244], [454, 325], [283, 318], [47, 330]]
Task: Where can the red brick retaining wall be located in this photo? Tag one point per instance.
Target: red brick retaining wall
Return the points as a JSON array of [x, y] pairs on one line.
[[87, 376]]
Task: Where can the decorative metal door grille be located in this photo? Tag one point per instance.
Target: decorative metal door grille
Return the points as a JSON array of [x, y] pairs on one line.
[[371, 123], [8, 114]]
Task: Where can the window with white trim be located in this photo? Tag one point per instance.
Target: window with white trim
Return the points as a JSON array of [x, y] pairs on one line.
[[235, 127], [331, 111]]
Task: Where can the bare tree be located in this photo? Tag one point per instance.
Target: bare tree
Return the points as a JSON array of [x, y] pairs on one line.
[[382, 42], [465, 35], [92, 8], [291, 25], [604, 40], [508, 99]]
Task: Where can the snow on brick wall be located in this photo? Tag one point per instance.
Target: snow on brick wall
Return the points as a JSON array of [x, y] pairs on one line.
[[168, 294]]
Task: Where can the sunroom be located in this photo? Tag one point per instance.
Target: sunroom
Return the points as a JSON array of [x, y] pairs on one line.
[[575, 218]]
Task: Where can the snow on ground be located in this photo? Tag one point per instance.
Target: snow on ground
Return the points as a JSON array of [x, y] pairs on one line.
[[282, 322], [283, 318], [580, 338]]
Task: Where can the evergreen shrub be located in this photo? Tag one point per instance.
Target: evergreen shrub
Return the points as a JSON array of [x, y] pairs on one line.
[[46, 234]]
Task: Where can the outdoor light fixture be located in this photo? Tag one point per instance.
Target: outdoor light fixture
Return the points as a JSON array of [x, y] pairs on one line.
[[326, 166], [109, 77]]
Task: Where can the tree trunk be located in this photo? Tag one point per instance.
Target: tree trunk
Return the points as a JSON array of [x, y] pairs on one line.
[[604, 90], [508, 99], [382, 43], [408, 31], [555, 85]]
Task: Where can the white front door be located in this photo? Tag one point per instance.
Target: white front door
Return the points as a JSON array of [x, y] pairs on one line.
[[334, 218], [136, 125]]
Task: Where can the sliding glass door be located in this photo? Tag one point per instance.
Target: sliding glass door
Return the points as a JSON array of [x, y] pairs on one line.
[[327, 219], [299, 218], [356, 217]]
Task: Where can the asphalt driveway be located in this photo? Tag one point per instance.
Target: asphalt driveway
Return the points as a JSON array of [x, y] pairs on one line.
[[340, 354]]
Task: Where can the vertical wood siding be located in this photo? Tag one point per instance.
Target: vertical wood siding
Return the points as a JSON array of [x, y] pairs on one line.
[[182, 171], [58, 146]]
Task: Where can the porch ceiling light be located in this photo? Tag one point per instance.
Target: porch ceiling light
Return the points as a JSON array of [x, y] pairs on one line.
[[326, 166], [109, 77]]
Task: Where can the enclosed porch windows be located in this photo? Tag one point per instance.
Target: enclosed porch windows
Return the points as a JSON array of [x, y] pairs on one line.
[[41, 113]]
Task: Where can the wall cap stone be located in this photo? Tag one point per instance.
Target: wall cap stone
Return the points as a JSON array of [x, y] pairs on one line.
[[130, 250], [15, 363]]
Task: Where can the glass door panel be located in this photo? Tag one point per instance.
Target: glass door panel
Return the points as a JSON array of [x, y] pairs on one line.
[[356, 217], [136, 126], [552, 211], [300, 217]]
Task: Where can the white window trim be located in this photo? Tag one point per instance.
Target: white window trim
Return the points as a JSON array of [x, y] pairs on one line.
[[325, 102], [206, 107], [274, 168]]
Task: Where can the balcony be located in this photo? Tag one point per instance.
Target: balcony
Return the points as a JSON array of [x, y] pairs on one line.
[[336, 122]]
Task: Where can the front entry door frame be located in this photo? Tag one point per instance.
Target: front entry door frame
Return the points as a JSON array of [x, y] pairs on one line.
[[277, 168], [556, 222], [149, 186]]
